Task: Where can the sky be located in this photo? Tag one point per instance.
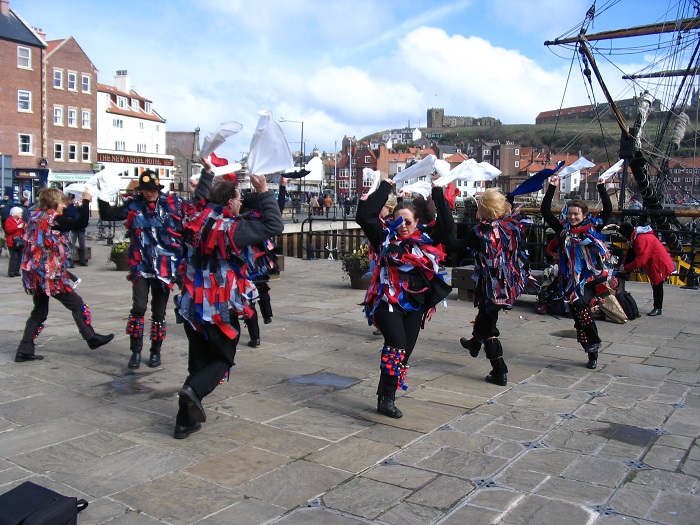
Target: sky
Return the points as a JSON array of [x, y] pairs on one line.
[[342, 67]]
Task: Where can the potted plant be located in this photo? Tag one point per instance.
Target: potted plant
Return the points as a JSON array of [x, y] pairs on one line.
[[119, 255], [355, 265]]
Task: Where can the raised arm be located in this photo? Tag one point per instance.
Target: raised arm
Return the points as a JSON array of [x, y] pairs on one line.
[[367, 215], [444, 222], [270, 224], [606, 213], [65, 223], [546, 206]]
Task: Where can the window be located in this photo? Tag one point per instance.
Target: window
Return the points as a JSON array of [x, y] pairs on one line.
[[367, 183], [57, 116], [147, 109], [140, 125], [85, 83], [72, 152], [368, 160], [86, 118], [73, 81], [58, 79], [135, 104], [517, 151], [487, 152], [517, 163], [117, 123], [157, 149], [354, 160], [73, 118], [120, 145], [688, 179], [24, 57], [121, 102], [24, 100], [353, 184], [141, 148], [58, 151], [343, 184], [157, 128], [86, 153], [25, 144]]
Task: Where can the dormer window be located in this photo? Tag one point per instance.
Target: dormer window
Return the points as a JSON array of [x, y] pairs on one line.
[[135, 104], [121, 102], [147, 107]]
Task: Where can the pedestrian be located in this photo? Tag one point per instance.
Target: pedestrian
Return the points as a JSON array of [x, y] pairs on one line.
[[215, 291], [71, 212], [327, 203], [14, 232], [648, 253], [584, 261], [44, 272], [77, 239], [24, 204], [405, 287], [500, 266], [346, 205], [5, 206], [154, 228], [261, 262], [314, 204]]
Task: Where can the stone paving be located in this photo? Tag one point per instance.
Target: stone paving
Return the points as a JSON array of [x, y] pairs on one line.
[[294, 437]]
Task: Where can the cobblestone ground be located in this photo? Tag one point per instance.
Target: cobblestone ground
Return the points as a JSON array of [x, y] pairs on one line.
[[294, 436]]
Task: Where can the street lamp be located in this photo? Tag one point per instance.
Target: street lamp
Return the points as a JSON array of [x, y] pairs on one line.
[[301, 146]]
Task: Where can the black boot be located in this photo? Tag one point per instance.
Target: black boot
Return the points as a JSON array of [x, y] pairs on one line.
[[473, 345], [135, 345], [499, 371], [134, 360], [592, 351], [154, 358], [98, 340], [385, 405], [498, 375]]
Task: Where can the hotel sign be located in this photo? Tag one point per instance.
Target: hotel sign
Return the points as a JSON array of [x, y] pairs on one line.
[[133, 159]]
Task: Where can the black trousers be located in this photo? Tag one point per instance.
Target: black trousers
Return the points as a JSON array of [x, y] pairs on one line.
[[265, 305], [400, 329], [211, 354], [486, 320], [40, 313], [658, 294], [15, 261], [159, 298]]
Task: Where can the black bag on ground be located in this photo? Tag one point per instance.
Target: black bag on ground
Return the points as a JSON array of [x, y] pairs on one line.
[[628, 304], [32, 504]]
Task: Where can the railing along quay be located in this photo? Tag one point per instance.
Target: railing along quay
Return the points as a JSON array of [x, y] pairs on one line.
[[321, 237]]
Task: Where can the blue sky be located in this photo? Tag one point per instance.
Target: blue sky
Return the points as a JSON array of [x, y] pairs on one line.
[[344, 67]]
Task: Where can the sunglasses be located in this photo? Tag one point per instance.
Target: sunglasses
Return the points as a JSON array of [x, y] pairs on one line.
[[407, 223]]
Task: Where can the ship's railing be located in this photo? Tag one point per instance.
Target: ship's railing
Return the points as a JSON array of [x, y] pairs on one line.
[[330, 238]]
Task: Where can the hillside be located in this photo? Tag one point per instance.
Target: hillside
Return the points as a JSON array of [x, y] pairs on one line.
[[597, 143]]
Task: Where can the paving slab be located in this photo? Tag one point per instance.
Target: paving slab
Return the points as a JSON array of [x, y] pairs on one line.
[[294, 436]]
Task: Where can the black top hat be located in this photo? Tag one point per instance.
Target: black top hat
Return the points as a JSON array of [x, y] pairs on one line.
[[148, 180]]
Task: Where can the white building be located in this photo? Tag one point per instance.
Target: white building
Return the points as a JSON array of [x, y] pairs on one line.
[[131, 134], [570, 184]]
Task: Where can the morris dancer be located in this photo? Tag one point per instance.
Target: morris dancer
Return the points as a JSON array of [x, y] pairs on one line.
[[216, 292], [583, 261], [154, 227], [405, 287], [501, 270], [262, 262], [44, 271]]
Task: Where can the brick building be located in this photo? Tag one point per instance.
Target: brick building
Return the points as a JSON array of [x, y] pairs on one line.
[[71, 102], [23, 166]]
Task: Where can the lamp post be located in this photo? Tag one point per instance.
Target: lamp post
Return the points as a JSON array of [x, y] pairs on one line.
[[301, 144]]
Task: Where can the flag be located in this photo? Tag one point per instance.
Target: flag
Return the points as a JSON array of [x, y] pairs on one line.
[[536, 182]]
